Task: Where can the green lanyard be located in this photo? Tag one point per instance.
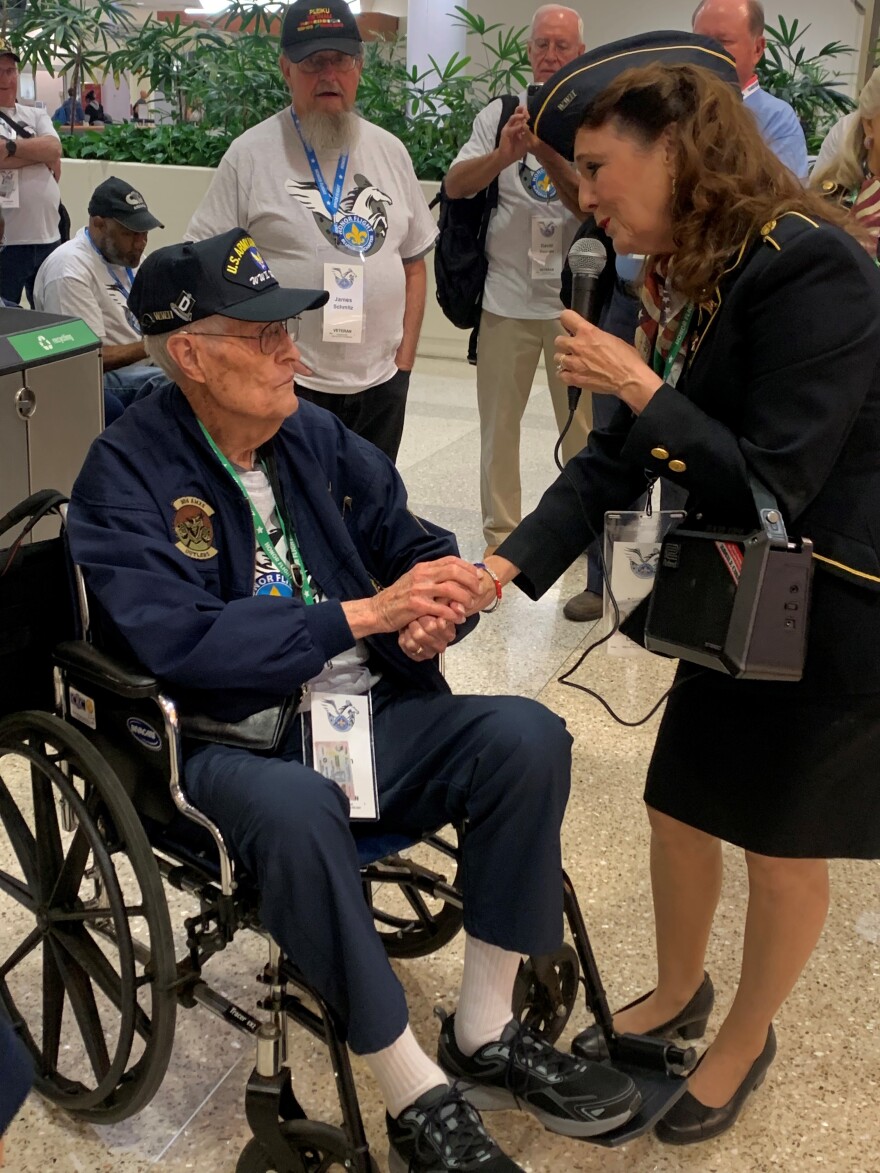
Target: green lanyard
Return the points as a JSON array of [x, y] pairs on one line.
[[676, 345], [266, 546]]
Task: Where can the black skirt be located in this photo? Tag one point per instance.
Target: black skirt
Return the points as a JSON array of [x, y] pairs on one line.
[[784, 769]]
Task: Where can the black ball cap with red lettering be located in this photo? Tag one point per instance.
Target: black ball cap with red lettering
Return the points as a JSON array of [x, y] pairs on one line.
[[315, 28], [225, 274]]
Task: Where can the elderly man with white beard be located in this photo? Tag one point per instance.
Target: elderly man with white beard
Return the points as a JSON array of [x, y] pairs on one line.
[[335, 204]]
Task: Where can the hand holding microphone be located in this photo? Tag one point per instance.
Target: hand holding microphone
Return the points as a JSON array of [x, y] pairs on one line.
[[587, 357]]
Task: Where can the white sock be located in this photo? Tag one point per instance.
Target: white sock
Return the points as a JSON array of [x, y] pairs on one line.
[[404, 1072], [484, 1006]]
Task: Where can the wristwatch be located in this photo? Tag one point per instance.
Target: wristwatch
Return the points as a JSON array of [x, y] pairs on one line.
[[11, 147]]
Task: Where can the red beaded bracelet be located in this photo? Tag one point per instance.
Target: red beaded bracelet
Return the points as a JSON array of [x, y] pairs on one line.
[[497, 581]]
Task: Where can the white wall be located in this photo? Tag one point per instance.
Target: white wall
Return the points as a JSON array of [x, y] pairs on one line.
[[830, 20]]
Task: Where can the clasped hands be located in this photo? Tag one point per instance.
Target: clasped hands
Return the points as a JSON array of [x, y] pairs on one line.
[[453, 590]]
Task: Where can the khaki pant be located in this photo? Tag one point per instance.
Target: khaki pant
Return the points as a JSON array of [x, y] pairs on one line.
[[507, 359]]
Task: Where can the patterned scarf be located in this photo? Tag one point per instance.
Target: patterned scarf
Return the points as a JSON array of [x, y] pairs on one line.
[[866, 209], [660, 318]]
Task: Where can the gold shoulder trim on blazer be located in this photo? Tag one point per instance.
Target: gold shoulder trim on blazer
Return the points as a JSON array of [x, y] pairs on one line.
[[848, 569], [772, 224]]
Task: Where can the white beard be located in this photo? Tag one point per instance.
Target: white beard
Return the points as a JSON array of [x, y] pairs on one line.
[[330, 131]]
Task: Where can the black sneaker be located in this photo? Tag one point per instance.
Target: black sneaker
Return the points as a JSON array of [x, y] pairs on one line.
[[568, 1095], [440, 1132]]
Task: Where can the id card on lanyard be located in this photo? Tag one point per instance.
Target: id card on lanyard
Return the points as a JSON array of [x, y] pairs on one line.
[[343, 315], [341, 742]]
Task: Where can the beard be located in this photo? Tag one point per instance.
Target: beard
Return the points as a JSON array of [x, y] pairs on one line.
[[332, 130]]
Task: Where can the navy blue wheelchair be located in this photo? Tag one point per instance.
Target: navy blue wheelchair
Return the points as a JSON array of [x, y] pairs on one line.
[[95, 822]]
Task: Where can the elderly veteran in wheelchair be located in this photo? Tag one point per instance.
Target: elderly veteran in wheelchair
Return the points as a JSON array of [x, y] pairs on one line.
[[249, 550]]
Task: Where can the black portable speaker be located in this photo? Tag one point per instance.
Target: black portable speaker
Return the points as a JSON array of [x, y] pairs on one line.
[[733, 600]]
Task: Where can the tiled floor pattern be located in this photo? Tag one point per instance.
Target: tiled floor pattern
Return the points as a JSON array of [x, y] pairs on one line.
[[819, 1107]]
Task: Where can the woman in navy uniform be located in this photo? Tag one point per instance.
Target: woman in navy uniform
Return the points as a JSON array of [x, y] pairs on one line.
[[758, 353]]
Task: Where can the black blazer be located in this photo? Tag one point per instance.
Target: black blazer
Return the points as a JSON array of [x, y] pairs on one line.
[[783, 378]]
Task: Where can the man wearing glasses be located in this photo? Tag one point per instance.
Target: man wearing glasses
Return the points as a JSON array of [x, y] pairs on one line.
[[30, 157], [335, 204], [529, 236], [249, 550]]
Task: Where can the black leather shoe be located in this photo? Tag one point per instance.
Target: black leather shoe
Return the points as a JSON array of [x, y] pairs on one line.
[[688, 1121], [689, 1023]]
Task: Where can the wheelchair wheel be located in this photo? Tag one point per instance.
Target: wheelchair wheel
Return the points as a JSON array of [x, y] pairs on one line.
[[545, 992], [89, 984], [410, 922], [314, 1148]]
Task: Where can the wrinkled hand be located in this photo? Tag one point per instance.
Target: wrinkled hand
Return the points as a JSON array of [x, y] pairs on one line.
[[513, 144], [426, 637], [588, 357], [443, 590]]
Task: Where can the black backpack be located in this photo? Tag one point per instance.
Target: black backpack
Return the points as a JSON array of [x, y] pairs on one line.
[[460, 263]]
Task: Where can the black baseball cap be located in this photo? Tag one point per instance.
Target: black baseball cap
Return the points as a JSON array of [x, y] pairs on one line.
[[6, 50], [118, 200], [225, 274], [314, 28]]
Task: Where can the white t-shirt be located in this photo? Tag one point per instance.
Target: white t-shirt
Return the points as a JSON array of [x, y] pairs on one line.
[[264, 184], [76, 280], [524, 194], [35, 219], [347, 672]]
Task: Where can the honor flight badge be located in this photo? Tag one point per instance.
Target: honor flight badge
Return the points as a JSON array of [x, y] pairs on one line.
[[193, 528]]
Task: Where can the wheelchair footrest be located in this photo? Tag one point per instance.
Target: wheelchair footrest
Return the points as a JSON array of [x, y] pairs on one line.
[[659, 1090]]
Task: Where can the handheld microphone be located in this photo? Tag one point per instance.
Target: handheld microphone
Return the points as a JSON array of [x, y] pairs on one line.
[[586, 259]]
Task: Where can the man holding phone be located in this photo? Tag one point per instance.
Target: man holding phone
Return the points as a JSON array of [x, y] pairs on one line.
[[529, 236]]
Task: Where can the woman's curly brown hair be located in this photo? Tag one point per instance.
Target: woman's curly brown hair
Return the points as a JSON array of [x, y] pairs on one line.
[[728, 183]]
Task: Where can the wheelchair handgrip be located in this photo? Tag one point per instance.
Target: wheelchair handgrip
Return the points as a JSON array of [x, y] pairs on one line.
[[97, 668]]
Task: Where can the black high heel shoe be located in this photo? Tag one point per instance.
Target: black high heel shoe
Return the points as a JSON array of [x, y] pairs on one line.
[[689, 1023], [688, 1121]]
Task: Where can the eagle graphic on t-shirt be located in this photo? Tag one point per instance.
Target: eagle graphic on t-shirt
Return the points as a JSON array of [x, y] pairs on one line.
[[360, 224]]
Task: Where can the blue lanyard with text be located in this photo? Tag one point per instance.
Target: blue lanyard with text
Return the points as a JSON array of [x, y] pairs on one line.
[[331, 202], [117, 284]]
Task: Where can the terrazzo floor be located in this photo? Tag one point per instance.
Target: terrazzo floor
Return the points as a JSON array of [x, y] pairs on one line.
[[819, 1106]]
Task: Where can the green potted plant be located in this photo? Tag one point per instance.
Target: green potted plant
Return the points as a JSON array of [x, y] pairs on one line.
[[75, 36], [806, 83]]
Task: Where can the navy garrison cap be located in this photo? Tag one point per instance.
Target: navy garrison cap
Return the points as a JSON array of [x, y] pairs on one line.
[[557, 108]]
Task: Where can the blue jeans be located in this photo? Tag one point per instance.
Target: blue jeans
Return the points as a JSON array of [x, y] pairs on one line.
[[503, 764], [18, 269]]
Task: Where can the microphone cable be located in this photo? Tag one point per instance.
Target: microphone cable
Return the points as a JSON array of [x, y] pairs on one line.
[[565, 678]]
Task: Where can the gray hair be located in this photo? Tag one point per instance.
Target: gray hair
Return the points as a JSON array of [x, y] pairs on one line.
[[545, 8], [755, 15], [156, 346], [847, 167]]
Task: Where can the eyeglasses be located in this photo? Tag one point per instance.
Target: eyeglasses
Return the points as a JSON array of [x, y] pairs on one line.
[[543, 45], [270, 337], [318, 62], [9, 71]]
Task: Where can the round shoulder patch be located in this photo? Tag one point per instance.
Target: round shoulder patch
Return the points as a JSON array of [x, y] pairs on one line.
[[193, 528]]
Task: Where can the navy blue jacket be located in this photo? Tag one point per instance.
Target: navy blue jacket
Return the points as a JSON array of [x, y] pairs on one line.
[[194, 622], [783, 380], [16, 1074]]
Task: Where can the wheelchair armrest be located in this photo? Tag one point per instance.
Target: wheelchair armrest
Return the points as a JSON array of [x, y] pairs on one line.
[[96, 667]]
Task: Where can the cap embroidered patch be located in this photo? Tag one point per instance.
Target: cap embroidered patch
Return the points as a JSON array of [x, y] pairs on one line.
[[319, 19], [245, 265], [193, 528]]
